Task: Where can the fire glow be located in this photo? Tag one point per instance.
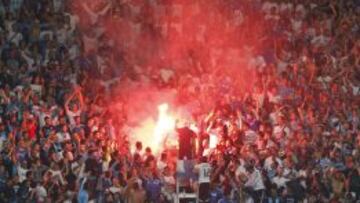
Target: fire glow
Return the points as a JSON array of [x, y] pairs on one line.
[[164, 126]]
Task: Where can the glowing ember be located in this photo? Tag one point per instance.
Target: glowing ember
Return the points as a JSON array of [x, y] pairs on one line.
[[164, 125]]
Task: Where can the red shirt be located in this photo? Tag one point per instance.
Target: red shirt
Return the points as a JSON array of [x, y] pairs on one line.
[[31, 130]]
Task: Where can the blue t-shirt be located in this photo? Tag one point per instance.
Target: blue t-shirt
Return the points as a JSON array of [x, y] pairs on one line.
[[215, 195], [83, 196], [153, 189], [3, 134]]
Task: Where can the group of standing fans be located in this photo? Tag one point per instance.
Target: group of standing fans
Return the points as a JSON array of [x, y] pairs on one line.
[[293, 137]]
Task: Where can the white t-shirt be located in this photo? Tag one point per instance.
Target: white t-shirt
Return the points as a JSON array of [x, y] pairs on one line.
[[300, 8], [286, 7], [61, 35], [26, 56], [240, 170], [22, 173], [41, 192], [115, 189], [105, 165], [74, 51], [355, 90], [274, 98], [204, 172], [2, 140], [280, 181], [37, 89], [267, 6], [58, 4], [42, 116], [15, 37], [296, 25], [255, 181], [169, 180], [62, 137], [71, 115], [166, 74], [278, 129], [269, 161], [320, 40], [74, 20], [257, 63], [161, 165]]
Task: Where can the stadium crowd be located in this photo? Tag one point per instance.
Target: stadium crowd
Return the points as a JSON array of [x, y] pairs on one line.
[[293, 137]]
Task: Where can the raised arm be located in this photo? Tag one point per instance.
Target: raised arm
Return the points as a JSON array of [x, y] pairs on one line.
[[67, 102], [4, 96], [105, 9], [301, 113], [89, 11], [81, 99], [27, 95], [82, 184], [78, 94]]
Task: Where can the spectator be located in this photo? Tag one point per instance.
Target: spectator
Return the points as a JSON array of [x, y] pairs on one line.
[[83, 195]]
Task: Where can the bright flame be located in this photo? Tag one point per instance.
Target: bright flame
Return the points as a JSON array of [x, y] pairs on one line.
[[164, 125], [213, 141]]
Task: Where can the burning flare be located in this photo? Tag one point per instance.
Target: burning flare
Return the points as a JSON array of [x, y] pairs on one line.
[[164, 125]]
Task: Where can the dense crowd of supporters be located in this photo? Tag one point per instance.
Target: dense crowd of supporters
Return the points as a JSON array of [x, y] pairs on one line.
[[294, 136]]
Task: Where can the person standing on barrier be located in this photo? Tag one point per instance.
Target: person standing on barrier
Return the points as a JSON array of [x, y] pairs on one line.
[[204, 171]]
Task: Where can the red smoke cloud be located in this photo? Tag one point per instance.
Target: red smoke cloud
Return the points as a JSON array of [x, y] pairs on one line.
[[187, 36], [184, 35]]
